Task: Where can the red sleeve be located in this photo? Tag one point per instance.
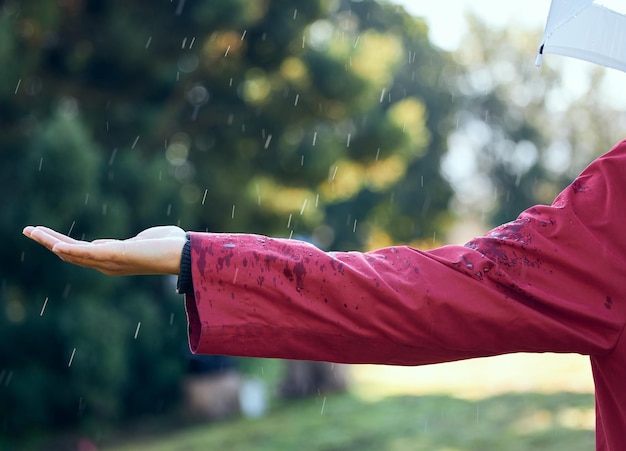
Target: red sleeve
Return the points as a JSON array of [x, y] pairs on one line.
[[552, 280]]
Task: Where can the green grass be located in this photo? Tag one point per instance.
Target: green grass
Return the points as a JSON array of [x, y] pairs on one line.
[[515, 422]]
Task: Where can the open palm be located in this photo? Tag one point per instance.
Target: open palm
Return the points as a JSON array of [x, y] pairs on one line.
[[156, 250]]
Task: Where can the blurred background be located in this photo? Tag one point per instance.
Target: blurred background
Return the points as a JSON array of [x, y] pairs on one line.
[[339, 122]]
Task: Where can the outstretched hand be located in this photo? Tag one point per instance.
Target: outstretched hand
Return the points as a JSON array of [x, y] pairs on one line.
[[156, 250]]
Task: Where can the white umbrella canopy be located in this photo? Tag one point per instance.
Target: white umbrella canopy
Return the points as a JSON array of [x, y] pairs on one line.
[[590, 30]]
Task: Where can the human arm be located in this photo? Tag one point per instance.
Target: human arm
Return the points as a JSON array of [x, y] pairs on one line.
[[156, 250], [550, 281]]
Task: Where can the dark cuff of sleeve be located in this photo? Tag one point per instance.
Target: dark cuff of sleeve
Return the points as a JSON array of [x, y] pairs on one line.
[[185, 282]]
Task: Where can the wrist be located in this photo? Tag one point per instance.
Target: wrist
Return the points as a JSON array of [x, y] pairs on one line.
[[185, 283]]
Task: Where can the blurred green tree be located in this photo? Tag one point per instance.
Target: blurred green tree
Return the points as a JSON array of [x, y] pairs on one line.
[[324, 120], [523, 132]]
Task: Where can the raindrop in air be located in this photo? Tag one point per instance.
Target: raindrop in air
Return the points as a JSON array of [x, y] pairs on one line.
[[71, 358], [43, 308]]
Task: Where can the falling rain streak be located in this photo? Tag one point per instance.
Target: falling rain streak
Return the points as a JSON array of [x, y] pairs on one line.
[[71, 358], [19, 82], [179, 7], [204, 196], [137, 329], [43, 308], [112, 159]]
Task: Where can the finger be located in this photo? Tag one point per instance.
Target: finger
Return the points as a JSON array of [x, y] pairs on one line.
[[59, 236], [43, 238]]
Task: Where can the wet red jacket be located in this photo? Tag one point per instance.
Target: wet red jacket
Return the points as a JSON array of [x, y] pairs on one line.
[[553, 280]]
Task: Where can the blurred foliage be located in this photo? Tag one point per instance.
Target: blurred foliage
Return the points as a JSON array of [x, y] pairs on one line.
[[524, 133], [324, 120]]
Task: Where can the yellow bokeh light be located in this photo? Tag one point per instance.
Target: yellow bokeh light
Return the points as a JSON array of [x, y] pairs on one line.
[[410, 115], [282, 199], [257, 87], [345, 180], [378, 239], [375, 57], [294, 70], [384, 173], [222, 44]]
